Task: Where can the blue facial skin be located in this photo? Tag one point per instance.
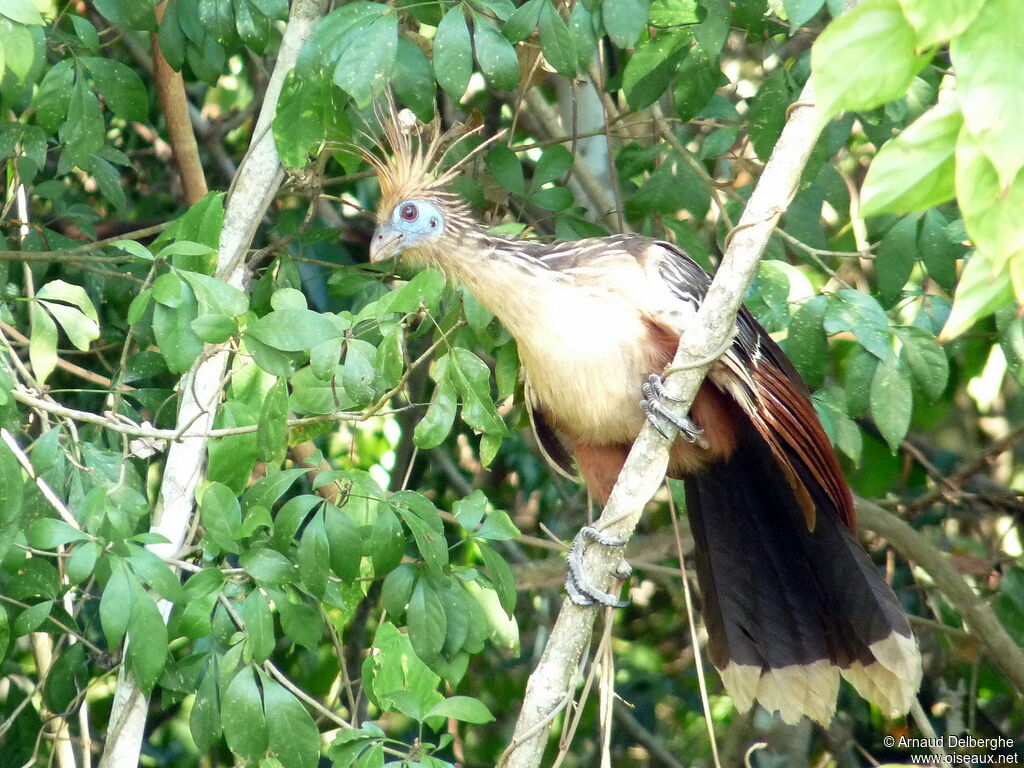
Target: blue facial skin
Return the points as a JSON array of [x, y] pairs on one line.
[[412, 223]]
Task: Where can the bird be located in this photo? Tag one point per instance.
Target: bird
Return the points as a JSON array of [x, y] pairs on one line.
[[791, 601]]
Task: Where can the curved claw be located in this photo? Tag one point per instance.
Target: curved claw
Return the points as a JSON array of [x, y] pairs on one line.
[[653, 394], [579, 588]]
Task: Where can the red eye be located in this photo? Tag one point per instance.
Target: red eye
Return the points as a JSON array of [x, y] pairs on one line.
[[409, 212]]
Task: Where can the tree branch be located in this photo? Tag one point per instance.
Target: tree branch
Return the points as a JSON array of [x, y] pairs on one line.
[[710, 331]]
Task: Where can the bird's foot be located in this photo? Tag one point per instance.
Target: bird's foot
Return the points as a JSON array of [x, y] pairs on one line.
[[579, 588], [653, 394]]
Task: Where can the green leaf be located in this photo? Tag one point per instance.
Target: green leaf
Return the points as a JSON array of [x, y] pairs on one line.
[[864, 58], [30, 619], [64, 678], [358, 375], [294, 737], [464, 708], [50, 533], [82, 562], [860, 314], [216, 296], [259, 626], [437, 422], [501, 577], [314, 556], [167, 290], [990, 207], [624, 20], [427, 621], [453, 53], [674, 13], [11, 485], [915, 170], [42, 347], [472, 378], [860, 371], [892, 401], [271, 442], [424, 290], [204, 720], [397, 590], [252, 26], [584, 35], [413, 79], [495, 55], [807, 342], [364, 66], [937, 252], [122, 89], [926, 360], [80, 330], [523, 21], [799, 12], [343, 541], [84, 129], [53, 96], [497, 527], [293, 330], [555, 41], [767, 114], [649, 72], [1011, 340], [267, 566], [58, 290], [506, 169], [267, 489], [214, 329], [172, 328], [221, 515], [842, 430], [897, 254], [241, 714], [115, 604], [147, 639], [298, 127], [301, 623], [938, 23], [988, 87], [422, 518], [17, 49], [981, 291], [21, 11], [108, 180], [387, 542]]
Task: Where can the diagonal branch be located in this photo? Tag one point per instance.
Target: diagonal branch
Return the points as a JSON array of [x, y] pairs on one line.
[[712, 328]]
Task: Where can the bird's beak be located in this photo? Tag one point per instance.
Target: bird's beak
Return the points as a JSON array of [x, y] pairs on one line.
[[385, 244]]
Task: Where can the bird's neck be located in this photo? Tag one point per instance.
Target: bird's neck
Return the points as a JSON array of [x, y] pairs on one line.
[[501, 278]]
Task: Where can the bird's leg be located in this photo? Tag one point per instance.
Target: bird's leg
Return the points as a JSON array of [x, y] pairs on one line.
[[578, 586], [653, 393]]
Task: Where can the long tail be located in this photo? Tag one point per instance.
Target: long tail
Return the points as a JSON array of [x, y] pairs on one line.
[[789, 609]]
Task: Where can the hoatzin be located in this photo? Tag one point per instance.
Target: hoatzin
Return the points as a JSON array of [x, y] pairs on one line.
[[790, 600]]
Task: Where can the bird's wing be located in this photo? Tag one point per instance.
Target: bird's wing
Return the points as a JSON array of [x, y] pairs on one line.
[[757, 374]]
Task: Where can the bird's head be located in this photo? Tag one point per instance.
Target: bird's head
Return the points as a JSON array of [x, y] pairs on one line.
[[416, 225], [419, 217]]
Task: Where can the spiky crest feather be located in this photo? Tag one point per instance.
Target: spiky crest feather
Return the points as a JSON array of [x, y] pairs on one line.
[[411, 160]]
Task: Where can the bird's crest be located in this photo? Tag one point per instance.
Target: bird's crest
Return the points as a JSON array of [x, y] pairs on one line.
[[411, 160]]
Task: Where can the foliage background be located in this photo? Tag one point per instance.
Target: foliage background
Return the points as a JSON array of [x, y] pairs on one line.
[[369, 599]]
